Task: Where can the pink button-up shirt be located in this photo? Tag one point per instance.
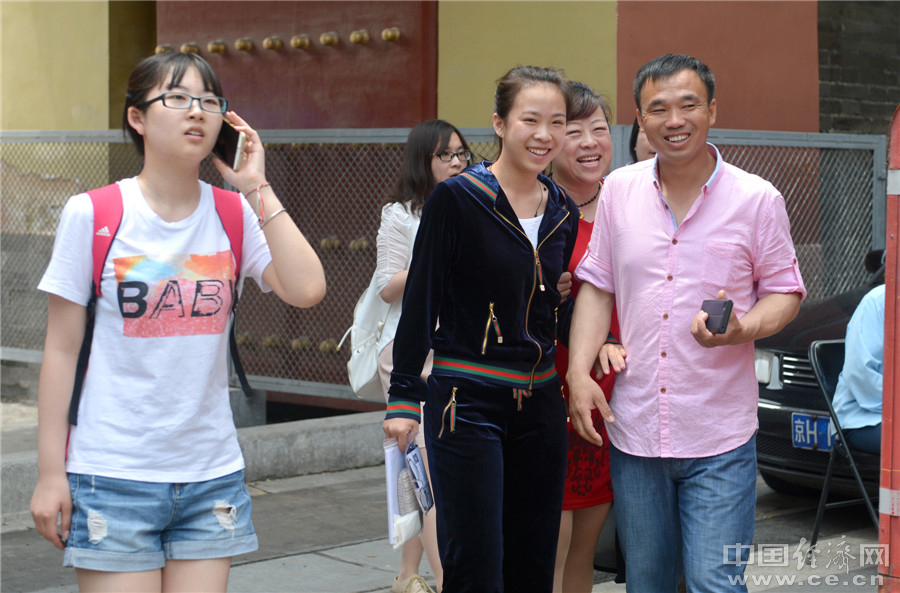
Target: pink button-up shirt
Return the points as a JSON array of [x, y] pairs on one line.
[[676, 398]]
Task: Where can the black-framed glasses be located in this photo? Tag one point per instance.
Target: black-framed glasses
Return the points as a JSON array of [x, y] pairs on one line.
[[447, 155], [175, 100]]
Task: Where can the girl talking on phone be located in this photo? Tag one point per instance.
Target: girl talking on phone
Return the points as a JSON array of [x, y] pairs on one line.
[[146, 492]]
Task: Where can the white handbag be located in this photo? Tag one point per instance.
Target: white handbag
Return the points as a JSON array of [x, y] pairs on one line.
[[369, 317]]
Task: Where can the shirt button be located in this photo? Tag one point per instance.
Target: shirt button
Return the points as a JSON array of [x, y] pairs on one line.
[[674, 241], [663, 354], [669, 277], [665, 315], [662, 390]]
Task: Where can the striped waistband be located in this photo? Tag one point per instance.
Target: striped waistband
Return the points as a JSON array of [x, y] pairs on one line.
[[545, 373]]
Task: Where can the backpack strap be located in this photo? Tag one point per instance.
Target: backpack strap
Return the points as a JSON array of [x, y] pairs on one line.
[[107, 203], [230, 210]]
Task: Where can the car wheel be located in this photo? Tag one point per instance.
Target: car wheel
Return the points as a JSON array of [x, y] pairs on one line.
[[784, 487]]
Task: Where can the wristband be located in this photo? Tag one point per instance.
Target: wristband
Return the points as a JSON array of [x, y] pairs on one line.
[[262, 206], [274, 214]]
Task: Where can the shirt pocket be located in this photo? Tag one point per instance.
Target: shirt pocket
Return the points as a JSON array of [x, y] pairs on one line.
[[721, 262]]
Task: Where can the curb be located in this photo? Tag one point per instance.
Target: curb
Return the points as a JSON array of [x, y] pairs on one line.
[[270, 451], [312, 446]]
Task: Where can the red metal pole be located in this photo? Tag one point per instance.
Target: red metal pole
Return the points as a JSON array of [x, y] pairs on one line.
[[889, 495]]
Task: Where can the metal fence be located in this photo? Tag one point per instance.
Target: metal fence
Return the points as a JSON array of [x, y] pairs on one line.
[[334, 182]]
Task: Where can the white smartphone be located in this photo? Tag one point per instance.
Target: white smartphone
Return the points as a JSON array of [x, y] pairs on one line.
[[230, 145]]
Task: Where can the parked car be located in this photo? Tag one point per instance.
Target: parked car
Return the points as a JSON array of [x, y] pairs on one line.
[[787, 386]]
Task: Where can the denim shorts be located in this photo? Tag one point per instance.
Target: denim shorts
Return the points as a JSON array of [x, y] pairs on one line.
[[128, 526]]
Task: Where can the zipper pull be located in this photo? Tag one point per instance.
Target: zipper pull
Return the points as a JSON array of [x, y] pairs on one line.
[[451, 407], [555, 324], [518, 394], [453, 410], [496, 324], [537, 263]]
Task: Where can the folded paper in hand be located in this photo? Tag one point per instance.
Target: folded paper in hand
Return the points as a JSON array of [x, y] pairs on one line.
[[404, 507]]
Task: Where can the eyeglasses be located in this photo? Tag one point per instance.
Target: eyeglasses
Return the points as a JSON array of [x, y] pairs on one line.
[[447, 155], [209, 103]]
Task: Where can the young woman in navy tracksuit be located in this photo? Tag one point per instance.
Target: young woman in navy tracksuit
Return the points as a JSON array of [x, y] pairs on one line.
[[482, 292]]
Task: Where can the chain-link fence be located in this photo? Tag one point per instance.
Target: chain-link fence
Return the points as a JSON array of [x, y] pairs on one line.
[[334, 181]]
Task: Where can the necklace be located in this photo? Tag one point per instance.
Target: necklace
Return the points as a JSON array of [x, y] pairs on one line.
[[580, 206], [541, 189], [599, 185]]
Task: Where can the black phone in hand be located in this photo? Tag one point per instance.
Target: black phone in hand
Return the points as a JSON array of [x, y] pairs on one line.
[[719, 311]]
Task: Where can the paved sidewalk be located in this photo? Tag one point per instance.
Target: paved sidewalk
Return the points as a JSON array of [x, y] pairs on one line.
[[327, 532]]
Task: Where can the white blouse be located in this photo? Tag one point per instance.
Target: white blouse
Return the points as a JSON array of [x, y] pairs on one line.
[[396, 236]]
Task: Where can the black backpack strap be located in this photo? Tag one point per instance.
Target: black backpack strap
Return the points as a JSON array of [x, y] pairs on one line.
[[235, 358], [230, 210], [83, 356]]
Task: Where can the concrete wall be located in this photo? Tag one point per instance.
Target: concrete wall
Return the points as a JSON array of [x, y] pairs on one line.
[[763, 55], [859, 66], [479, 41], [55, 65], [792, 66], [132, 37]]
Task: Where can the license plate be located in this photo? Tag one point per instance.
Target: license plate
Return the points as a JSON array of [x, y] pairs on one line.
[[810, 431]]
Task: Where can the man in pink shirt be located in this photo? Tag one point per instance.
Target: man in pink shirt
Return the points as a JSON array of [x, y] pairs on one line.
[[670, 233]]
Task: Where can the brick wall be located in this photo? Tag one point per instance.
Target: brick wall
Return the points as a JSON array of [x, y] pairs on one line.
[[859, 66]]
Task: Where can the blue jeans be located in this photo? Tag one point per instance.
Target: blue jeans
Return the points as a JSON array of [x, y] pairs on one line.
[[691, 517], [866, 439], [498, 475]]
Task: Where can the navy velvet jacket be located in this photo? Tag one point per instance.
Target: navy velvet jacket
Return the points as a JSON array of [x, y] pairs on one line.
[[475, 270]]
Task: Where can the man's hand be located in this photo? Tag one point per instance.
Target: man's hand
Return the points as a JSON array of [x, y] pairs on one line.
[[590, 327], [402, 429], [707, 339], [584, 396]]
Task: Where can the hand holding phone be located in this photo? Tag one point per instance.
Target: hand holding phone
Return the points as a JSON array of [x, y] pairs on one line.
[[719, 311], [230, 145]]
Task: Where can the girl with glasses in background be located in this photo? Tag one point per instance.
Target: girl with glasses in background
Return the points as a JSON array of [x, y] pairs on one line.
[[435, 152], [148, 487]]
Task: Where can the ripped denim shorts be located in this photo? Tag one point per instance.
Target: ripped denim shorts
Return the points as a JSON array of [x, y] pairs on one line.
[[128, 526]]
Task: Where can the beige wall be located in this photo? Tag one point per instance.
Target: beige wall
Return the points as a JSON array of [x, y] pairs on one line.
[[480, 40], [55, 65]]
